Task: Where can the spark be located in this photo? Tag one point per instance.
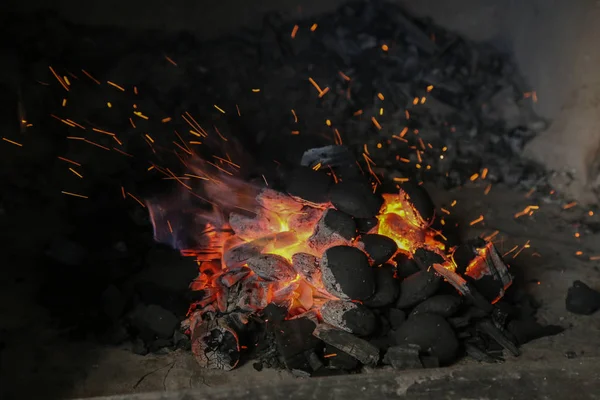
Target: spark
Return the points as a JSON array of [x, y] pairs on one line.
[[476, 221], [491, 236], [135, 90], [169, 59], [75, 172], [295, 116], [74, 194], [91, 77], [444, 210], [123, 192], [453, 203], [577, 235], [474, 177], [590, 213], [238, 110], [102, 131], [223, 138], [407, 114], [404, 160], [169, 225], [401, 180], [344, 76], [295, 132], [376, 123], [324, 92], [294, 31], [594, 258], [12, 142], [313, 27], [108, 104], [122, 152], [381, 97], [484, 173], [58, 78], [487, 189], [139, 114], [317, 167], [423, 99], [219, 108], [66, 80], [122, 89], [381, 111], [415, 101], [197, 177], [165, 120], [132, 123], [338, 137], [528, 194], [69, 161], [385, 47], [404, 132], [136, 199], [329, 355], [64, 102], [510, 251], [429, 88], [525, 246], [570, 205], [579, 253], [256, 90], [357, 113], [526, 210], [327, 122], [149, 137]]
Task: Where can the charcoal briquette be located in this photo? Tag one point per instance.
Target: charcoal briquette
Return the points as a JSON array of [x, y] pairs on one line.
[[350, 317], [405, 266], [271, 267], [387, 287], [432, 333], [417, 287], [442, 304], [365, 225], [347, 274], [338, 359], [309, 185], [420, 200], [334, 228], [405, 356], [396, 317], [356, 199], [356, 347], [582, 299], [379, 248]]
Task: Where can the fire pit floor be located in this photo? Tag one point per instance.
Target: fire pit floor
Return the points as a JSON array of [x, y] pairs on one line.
[[75, 368]]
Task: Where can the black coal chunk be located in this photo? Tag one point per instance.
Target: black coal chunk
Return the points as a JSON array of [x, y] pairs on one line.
[[347, 274], [396, 317], [358, 348], [355, 199], [405, 266], [417, 287], [426, 258], [527, 330], [380, 248], [582, 299], [338, 359], [154, 322], [295, 341], [432, 334], [350, 317], [387, 288], [403, 357], [364, 225], [444, 305], [420, 200], [309, 185]]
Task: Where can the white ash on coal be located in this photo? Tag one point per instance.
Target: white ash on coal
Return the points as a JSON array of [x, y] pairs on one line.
[[271, 267], [347, 274], [334, 228], [307, 266], [350, 317], [215, 345]]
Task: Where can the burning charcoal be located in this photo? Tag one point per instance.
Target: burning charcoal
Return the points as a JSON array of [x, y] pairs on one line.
[[307, 266], [481, 264], [271, 267], [215, 345], [405, 266], [464, 288], [305, 220], [351, 317], [274, 313], [420, 200], [309, 185], [248, 228], [355, 199], [154, 322], [403, 357], [238, 256], [358, 348], [334, 228], [378, 247], [441, 304], [581, 299], [387, 287], [365, 225], [233, 276], [278, 202], [338, 359], [432, 334], [417, 287], [294, 339], [528, 330], [346, 273]]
